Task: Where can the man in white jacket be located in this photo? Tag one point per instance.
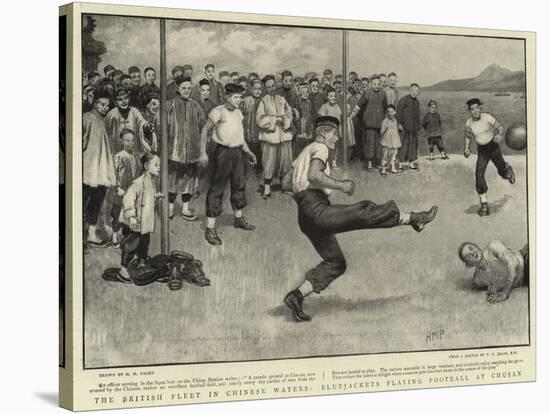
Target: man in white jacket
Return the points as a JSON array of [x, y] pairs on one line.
[[274, 119]]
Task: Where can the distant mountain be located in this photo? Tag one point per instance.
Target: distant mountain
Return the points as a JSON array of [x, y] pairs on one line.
[[494, 78]]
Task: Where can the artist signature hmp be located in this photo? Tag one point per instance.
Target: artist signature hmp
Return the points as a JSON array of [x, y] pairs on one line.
[[435, 335]]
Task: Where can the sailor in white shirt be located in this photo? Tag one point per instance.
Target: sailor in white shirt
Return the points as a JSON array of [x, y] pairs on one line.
[[320, 221], [485, 129]]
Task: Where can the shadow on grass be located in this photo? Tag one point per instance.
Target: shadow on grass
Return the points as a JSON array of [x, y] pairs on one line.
[[319, 306], [464, 284], [493, 207]]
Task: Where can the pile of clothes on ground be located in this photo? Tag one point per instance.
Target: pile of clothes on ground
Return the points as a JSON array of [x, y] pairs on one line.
[[172, 270]]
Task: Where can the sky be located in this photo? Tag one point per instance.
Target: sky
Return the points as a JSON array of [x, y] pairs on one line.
[[425, 59]]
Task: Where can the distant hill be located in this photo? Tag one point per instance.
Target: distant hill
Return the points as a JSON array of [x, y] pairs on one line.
[[494, 78]]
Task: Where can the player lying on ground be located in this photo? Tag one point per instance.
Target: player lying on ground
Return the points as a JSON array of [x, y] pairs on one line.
[[498, 268], [320, 221]]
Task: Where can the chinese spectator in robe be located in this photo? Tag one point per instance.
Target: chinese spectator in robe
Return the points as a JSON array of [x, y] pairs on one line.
[[207, 105], [408, 116], [316, 97], [107, 87], [125, 82], [88, 98], [188, 71], [185, 147], [325, 84], [249, 107], [383, 81], [365, 83], [152, 117], [109, 71], [243, 82], [123, 116], [355, 95], [93, 79], [133, 92], [304, 131], [224, 77], [287, 91], [149, 86], [97, 163], [390, 90], [274, 118], [217, 93], [117, 77], [234, 77], [298, 80], [328, 74], [204, 98], [127, 169], [171, 87], [374, 100]]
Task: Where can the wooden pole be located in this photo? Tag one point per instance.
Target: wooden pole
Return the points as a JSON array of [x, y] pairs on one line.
[[345, 106], [164, 221]]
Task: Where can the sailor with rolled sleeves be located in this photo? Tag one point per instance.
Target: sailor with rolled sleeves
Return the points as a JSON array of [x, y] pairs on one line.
[[227, 162]]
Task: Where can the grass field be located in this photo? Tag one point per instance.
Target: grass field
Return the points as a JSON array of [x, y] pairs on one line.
[[399, 285]]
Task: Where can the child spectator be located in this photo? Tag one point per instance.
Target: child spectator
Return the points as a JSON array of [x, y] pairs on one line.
[[331, 107], [390, 141], [127, 169], [434, 130], [138, 216]]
